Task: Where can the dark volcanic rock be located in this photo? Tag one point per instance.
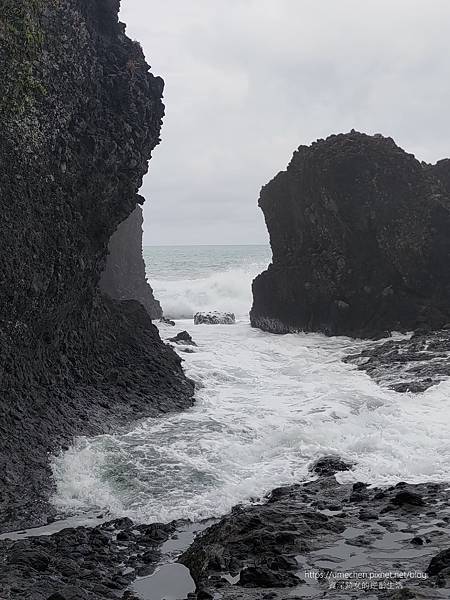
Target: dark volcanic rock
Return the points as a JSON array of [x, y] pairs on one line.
[[80, 114], [358, 230], [439, 562], [329, 465], [408, 498], [266, 578], [183, 338], [167, 321], [407, 365], [290, 548], [214, 318], [124, 276], [81, 562]]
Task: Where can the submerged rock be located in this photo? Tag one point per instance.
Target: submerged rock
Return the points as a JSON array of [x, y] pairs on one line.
[[214, 318], [359, 236], [124, 275]]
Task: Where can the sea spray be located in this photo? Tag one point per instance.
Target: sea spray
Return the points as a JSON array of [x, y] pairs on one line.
[[267, 406], [202, 278]]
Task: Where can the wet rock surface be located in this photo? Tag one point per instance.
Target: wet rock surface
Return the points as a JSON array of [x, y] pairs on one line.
[[317, 540], [124, 275], [329, 465], [166, 321], [358, 230], [80, 114], [183, 338], [214, 318], [407, 365], [81, 563]]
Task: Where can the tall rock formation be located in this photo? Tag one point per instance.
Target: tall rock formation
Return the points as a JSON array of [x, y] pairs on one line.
[[359, 231], [80, 114], [124, 276]]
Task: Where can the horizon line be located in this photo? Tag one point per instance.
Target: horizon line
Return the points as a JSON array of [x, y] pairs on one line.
[[196, 245]]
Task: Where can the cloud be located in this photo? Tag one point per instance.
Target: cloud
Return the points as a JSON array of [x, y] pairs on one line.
[[248, 81]]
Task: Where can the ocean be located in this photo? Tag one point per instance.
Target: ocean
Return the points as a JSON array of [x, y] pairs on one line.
[[187, 279], [266, 407]]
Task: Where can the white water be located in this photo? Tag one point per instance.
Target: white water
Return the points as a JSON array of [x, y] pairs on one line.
[[266, 407], [202, 278], [225, 291]]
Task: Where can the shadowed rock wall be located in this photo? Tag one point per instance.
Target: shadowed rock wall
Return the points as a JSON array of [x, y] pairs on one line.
[[80, 114], [124, 276]]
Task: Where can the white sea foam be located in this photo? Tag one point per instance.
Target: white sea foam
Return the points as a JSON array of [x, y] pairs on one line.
[[266, 407], [229, 290]]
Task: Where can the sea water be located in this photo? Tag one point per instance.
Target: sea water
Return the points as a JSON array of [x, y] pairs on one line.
[[266, 407]]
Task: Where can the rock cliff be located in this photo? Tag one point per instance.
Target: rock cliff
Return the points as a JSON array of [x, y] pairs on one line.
[[124, 276], [359, 235], [80, 114]]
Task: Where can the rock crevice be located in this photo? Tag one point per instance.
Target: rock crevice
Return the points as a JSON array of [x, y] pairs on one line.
[[124, 277]]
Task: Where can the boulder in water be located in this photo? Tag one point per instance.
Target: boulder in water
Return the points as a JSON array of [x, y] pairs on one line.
[[166, 321], [183, 338], [330, 465], [214, 318]]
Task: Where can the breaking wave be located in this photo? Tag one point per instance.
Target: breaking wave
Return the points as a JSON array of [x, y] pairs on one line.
[[225, 291]]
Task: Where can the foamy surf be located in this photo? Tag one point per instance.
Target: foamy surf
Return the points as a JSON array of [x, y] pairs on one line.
[[266, 407], [220, 278], [224, 291]]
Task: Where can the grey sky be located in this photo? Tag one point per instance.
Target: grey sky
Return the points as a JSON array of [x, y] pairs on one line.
[[247, 81]]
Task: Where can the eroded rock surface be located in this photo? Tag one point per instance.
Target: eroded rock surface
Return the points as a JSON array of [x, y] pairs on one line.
[[81, 563], [358, 230], [407, 365], [80, 114], [183, 338], [315, 540], [214, 318]]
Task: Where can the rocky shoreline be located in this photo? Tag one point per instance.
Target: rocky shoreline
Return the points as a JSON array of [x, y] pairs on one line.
[[319, 539], [316, 540], [80, 114], [413, 364]]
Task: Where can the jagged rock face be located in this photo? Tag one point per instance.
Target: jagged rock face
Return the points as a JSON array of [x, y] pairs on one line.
[[79, 116], [359, 235], [124, 276], [303, 538]]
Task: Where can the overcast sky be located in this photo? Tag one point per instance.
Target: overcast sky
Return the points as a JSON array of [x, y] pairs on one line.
[[248, 81]]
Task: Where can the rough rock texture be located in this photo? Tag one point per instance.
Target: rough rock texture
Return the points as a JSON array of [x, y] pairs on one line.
[[124, 276], [407, 365], [359, 235], [183, 338], [79, 116], [329, 465], [81, 563], [214, 318], [315, 540]]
